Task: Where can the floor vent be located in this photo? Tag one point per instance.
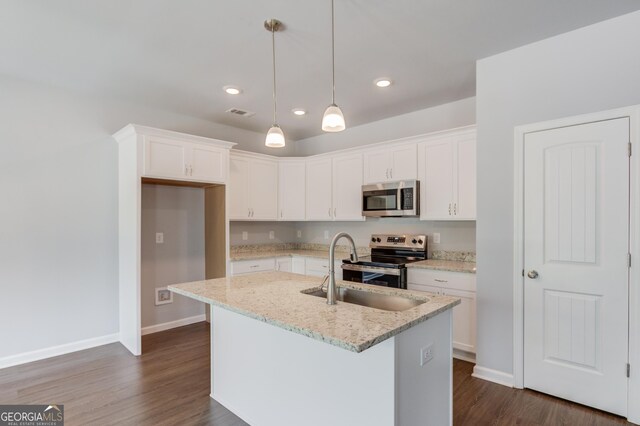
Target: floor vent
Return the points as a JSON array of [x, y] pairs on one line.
[[240, 112]]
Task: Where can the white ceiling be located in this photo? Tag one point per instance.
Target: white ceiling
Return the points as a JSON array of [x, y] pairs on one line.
[[177, 54]]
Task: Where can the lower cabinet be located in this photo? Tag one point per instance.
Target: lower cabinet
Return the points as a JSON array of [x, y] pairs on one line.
[[296, 264], [455, 284]]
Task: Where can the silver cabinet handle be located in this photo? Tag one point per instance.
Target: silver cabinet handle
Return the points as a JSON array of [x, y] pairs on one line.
[[387, 173], [449, 209], [252, 213], [254, 266], [190, 170], [440, 281], [248, 212], [329, 211], [455, 205], [391, 173], [186, 170], [533, 274], [334, 212], [281, 213]]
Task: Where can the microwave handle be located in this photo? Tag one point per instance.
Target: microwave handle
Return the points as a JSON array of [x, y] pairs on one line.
[[400, 206]]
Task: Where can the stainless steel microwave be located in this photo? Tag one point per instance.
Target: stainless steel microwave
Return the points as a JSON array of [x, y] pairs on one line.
[[391, 199]]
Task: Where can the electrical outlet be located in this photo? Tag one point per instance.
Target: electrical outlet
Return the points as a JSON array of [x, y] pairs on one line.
[[159, 238], [326, 235], [272, 235], [436, 238], [299, 233], [245, 235], [426, 354]]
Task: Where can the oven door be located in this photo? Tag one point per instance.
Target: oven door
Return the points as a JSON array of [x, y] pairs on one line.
[[386, 277]]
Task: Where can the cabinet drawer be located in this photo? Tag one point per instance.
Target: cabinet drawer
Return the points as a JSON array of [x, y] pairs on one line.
[[426, 288], [250, 266], [444, 279]]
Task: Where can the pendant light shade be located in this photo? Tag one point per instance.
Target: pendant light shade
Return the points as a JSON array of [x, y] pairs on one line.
[[275, 137], [333, 119]]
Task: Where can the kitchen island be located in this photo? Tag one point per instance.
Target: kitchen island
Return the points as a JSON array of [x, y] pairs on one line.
[[280, 356]]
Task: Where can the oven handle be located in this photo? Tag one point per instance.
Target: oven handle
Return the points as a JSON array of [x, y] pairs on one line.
[[374, 269]]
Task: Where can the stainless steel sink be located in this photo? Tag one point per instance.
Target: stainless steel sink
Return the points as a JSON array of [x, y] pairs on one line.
[[371, 300]]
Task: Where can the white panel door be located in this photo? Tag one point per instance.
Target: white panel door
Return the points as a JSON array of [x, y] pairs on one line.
[[438, 181], [263, 189], [207, 164], [405, 163], [464, 206], [377, 166], [347, 187], [291, 190], [576, 239], [164, 158], [318, 193], [239, 188]]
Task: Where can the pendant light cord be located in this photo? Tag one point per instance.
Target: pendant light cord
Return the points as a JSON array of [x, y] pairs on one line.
[[273, 50], [333, 57]]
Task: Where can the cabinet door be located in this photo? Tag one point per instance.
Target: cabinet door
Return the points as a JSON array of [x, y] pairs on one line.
[[164, 158], [347, 187], [239, 188], [377, 166], [464, 320], [437, 181], [318, 193], [317, 267], [283, 264], [405, 163], [465, 202], [263, 189], [207, 164], [291, 190], [298, 265]]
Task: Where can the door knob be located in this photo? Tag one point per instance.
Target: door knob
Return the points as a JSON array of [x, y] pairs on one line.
[[533, 274]]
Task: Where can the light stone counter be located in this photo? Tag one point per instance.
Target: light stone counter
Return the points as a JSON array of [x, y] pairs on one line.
[[275, 298], [252, 255], [445, 265]]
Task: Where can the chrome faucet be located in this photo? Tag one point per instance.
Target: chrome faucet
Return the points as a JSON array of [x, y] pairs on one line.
[[331, 288]]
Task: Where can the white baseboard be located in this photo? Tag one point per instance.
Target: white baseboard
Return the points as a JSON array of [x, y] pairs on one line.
[[464, 356], [494, 376], [52, 351], [173, 324]]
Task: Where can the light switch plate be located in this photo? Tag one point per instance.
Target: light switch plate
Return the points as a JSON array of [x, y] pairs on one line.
[[245, 235], [299, 233], [159, 238], [272, 235], [436, 238], [326, 235]]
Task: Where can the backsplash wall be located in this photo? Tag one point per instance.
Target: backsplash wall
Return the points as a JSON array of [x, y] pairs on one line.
[[455, 236]]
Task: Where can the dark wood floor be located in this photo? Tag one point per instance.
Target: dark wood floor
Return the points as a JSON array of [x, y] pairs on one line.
[[169, 385]]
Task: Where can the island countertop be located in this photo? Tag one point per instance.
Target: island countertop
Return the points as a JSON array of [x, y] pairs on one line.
[[276, 298]]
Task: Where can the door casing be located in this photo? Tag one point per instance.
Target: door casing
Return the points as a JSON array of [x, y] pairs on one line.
[[633, 113]]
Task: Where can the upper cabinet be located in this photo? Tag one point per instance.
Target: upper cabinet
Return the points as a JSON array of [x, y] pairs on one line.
[[447, 173], [253, 188], [291, 189], [391, 164], [334, 188], [169, 158]]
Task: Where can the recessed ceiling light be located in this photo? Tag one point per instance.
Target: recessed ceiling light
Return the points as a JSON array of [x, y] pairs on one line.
[[383, 82], [232, 90], [298, 111]]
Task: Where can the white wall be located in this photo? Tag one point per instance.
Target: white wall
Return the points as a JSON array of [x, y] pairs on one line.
[[591, 69], [441, 117], [58, 211], [178, 213]]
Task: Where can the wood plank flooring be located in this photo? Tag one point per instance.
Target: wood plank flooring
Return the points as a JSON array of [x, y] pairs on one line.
[[169, 385]]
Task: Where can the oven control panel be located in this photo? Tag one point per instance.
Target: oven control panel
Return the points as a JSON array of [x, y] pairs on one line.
[[398, 241]]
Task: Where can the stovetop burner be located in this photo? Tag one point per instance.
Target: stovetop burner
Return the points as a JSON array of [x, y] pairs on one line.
[[394, 251]]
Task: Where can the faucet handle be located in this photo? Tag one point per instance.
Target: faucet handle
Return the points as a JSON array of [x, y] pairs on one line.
[[353, 256]]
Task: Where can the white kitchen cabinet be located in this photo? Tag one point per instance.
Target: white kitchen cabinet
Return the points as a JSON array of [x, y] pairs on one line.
[[168, 158], [320, 267], [253, 188], [391, 164], [298, 265], [318, 193], [455, 284], [284, 264], [447, 166], [347, 187], [241, 267], [291, 190]]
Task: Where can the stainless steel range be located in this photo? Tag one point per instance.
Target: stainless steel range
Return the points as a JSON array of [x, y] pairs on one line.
[[387, 264]]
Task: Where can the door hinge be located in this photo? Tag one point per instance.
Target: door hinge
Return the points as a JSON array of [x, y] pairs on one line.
[[629, 149], [523, 272], [628, 370], [629, 260]]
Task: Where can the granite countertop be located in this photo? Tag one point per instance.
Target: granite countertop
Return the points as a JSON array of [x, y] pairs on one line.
[[445, 265], [252, 255], [276, 298]]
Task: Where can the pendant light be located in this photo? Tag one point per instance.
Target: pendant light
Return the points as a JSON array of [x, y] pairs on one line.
[[333, 119], [275, 135]]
